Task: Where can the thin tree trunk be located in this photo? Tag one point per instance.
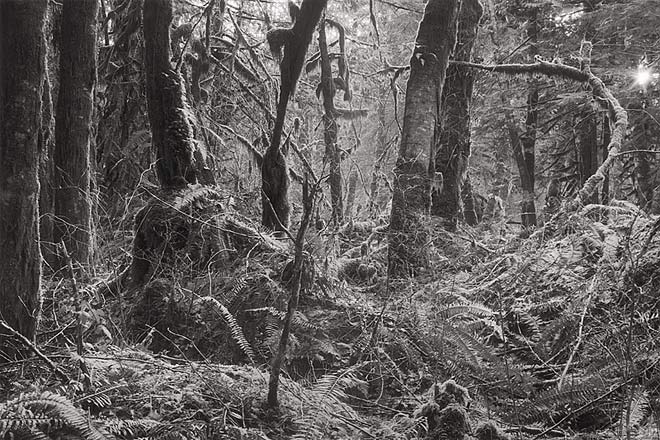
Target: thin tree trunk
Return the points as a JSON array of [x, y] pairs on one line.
[[330, 129], [380, 151], [452, 149], [171, 132], [607, 137], [73, 129], [644, 172], [22, 54], [524, 143], [469, 205], [350, 197], [409, 237]]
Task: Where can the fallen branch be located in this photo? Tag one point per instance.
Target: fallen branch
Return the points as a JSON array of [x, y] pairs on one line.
[[54, 368]]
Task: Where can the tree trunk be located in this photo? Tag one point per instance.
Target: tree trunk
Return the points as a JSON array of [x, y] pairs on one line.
[[524, 143], [47, 137], [22, 52], [409, 237], [607, 137], [469, 208], [274, 169], [73, 129], [350, 197], [587, 139], [330, 129], [171, 132], [452, 149], [645, 170], [523, 153], [380, 152]]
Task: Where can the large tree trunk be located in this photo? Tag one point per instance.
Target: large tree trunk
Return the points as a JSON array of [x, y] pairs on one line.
[[73, 129], [452, 149], [409, 237], [171, 132], [330, 129], [22, 54]]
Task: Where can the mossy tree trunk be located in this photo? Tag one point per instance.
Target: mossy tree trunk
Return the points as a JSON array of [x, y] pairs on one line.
[[171, 131], [73, 130], [294, 42], [409, 236], [330, 128], [22, 52], [452, 149]]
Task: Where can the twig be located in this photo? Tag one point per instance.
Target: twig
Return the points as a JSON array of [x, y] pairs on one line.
[[54, 368], [579, 337]]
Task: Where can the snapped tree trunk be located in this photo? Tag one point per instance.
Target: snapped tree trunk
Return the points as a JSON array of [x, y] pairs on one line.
[[73, 130], [22, 52], [452, 148], [330, 129], [409, 237], [171, 131]]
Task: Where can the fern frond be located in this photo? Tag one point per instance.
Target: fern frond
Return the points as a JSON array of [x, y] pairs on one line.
[[234, 328], [45, 410], [465, 309], [130, 429], [193, 193]]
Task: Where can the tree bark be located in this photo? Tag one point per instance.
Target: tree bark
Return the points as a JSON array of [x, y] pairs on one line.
[[171, 131], [47, 137], [452, 148], [330, 129], [22, 54], [409, 237], [73, 130]]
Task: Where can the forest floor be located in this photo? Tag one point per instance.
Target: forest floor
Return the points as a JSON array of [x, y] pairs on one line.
[[551, 336]]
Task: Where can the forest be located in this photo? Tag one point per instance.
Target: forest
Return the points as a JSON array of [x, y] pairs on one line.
[[319, 219]]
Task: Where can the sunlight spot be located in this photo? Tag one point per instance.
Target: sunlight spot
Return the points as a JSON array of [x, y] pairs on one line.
[[644, 76]]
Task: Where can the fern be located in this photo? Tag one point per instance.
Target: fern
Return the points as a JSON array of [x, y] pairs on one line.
[[465, 309], [324, 406], [234, 328], [192, 194], [36, 412]]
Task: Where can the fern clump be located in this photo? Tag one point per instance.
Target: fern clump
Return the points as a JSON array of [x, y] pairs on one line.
[[44, 414]]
